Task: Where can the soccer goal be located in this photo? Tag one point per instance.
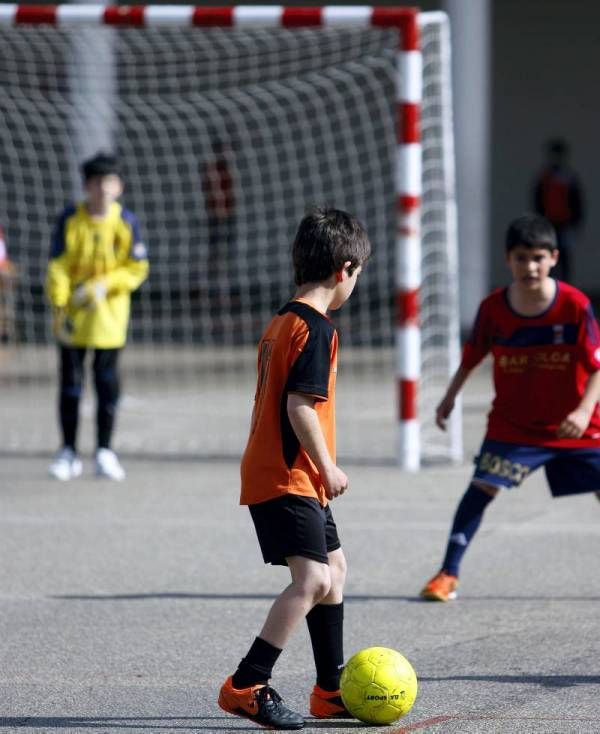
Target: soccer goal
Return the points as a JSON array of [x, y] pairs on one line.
[[230, 123]]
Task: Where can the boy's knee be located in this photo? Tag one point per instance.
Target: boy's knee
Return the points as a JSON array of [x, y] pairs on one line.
[[323, 589], [490, 489], [338, 569], [320, 583], [106, 376], [107, 386], [71, 390]]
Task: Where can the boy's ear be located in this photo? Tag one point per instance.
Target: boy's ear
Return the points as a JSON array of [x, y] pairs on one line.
[[339, 276]]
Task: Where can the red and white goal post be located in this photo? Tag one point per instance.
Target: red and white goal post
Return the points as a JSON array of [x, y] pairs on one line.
[[87, 88]]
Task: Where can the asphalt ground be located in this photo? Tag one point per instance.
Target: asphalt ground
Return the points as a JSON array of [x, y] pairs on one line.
[[124, 606]]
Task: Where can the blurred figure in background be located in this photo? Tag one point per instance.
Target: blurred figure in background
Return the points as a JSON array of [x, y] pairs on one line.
[[8, 274], [219, 200], [3, 251], [557, 195]]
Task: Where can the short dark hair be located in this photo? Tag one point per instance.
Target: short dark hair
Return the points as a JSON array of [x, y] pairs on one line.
[[325, 240], [557, 146], [531, 231], [102, 164]]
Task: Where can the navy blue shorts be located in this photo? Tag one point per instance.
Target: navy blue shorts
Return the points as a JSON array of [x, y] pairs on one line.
[[568, 471], [294, 526]]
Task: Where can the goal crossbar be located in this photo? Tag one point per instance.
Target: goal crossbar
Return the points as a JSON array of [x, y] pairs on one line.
[[408, 164]]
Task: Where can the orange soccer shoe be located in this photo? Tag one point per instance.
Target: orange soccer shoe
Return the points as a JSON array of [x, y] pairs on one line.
[[328, 705], [261, 703], [442, 587]]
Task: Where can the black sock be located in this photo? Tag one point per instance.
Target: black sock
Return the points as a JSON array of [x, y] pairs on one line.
[[326, 627], [257, 666], [466, 522]]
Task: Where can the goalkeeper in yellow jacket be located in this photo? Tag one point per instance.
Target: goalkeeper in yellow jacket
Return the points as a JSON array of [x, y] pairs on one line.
[[97, 259]]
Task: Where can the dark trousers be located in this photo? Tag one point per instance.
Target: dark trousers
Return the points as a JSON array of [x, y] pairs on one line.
[[564, 267], [106, 383], [221, 241]]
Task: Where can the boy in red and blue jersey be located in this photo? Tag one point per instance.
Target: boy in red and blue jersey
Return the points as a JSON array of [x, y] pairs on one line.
[[545, 343]]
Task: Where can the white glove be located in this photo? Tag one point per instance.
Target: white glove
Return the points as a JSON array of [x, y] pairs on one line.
[[89, 294]]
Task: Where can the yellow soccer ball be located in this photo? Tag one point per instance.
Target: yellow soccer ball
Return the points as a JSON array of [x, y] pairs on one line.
[[378, 685]]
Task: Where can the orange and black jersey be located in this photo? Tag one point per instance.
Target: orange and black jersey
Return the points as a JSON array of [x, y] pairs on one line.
[[296, 354]]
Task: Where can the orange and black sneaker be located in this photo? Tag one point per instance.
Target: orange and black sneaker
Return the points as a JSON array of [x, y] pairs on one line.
[[328, 704], [442, 587], [261, 704]]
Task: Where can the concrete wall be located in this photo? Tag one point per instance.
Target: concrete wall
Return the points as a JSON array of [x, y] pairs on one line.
[[471, 63], [546, 58]]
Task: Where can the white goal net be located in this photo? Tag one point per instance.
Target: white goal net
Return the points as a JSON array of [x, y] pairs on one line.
[[226, 136]]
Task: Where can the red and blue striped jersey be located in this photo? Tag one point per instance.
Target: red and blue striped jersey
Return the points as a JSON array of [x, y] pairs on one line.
[[542, 365]]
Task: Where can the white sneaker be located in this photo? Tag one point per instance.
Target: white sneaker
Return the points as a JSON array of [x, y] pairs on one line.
[[65, 465], [107, 465]]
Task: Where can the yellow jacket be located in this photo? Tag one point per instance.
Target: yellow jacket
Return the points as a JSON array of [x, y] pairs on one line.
[[86, 251]]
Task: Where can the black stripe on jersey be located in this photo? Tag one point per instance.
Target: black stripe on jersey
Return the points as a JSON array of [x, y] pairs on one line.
[[537, 336], [310, 372], [591, 326], [289, 440]]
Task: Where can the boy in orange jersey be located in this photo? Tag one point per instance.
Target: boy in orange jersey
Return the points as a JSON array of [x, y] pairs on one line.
[[289, 472]]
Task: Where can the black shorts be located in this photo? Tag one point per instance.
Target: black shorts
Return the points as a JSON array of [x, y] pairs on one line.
[[294, 526]]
